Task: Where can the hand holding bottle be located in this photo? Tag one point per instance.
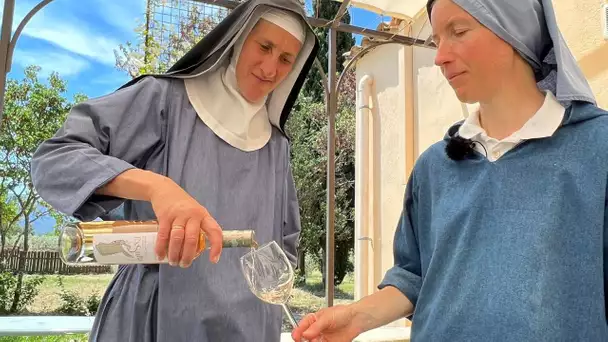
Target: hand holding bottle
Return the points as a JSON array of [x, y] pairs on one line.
[[181, 219]]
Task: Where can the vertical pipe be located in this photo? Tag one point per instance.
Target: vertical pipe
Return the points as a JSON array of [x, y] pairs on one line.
[[332, 105], [376, 212], [5, 39], [410, 122], [363, 180]]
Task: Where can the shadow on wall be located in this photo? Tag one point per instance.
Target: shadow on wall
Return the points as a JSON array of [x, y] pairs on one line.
[[595, 63]]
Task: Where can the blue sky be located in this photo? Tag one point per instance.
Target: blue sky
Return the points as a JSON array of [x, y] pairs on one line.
[[77, 39]]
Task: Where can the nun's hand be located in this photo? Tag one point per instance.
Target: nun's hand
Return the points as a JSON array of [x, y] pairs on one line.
[[181, 219]]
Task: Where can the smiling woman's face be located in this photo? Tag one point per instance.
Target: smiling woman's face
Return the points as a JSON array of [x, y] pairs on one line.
[[473, 59], [267, 57]]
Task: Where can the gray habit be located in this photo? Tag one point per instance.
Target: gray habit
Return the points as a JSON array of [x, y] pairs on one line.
[[150, 124]]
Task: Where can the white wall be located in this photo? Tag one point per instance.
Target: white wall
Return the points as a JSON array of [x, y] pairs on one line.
[[435, 108], [580, 23], [385, 66]]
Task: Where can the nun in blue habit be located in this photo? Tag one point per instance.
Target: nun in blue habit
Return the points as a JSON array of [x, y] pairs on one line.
[[202, 146], [503, 234]]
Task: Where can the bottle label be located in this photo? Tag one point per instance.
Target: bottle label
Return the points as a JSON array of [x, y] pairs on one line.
[[125, 248]]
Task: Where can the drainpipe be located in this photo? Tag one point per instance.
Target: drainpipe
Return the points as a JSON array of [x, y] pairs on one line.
[[367, 189]]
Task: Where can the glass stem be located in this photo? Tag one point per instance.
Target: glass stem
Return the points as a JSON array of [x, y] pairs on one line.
[[292, 320]]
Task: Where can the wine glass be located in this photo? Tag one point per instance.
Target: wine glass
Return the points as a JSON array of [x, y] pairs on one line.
[[270, 276]]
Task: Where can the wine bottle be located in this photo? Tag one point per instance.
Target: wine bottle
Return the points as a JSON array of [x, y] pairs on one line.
[[127, 242]]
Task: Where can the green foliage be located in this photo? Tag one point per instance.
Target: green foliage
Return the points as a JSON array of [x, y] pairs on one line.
[[8, 287], [9, 214], [47, 242], [308, 129], [151, 54], [33, 112], [327, 9], [72, 304]]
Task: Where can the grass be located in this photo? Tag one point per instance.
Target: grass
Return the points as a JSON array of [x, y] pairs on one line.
[[310, 297], [47, 301], [306, 298]]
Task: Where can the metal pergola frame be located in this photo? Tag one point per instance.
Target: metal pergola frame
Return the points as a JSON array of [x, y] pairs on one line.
[[331, 83]]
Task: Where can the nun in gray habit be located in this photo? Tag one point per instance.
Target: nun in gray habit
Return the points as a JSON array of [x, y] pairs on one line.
[[210, 132]]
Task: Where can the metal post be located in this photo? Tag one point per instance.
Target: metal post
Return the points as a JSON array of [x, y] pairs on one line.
[[331, 99], [332, 104], [332, 108], [7, 44], [342, 27], [5, 39]]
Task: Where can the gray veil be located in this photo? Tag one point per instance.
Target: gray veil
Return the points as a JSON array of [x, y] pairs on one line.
[[530, 27]]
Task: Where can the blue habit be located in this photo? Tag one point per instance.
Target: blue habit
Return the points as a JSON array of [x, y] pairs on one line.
[[513, 250]]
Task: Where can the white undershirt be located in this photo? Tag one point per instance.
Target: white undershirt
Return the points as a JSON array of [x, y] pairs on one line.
[[543, 124]]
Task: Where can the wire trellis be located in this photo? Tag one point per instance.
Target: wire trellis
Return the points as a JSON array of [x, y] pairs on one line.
[[177, 25]]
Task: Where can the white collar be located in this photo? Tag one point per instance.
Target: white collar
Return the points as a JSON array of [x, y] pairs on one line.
[[219, 105], [213, 94], [543, 124]]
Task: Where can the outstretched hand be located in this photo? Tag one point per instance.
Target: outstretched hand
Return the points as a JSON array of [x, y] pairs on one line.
[[334, 324]]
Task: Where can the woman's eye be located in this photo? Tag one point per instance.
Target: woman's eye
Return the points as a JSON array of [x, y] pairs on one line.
[[264, 47], [460, 33]]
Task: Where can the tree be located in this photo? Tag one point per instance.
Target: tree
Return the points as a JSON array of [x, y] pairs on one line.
[[308, 129], [9, 215], [312, 187], [34, 111], [327, 9], [159, 46]]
